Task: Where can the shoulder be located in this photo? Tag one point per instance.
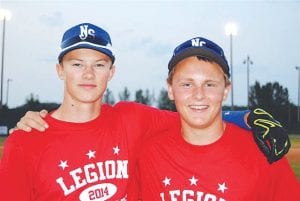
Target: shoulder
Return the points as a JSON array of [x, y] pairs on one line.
[[126, 105], [135, 107], [21, 138], [241, 139], [238, 131]]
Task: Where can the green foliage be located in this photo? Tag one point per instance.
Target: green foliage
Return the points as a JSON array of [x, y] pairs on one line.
[[164, 102], [268, 96], [140, 97], [124, 95], [109, 97], [274, 98], [10, 117]]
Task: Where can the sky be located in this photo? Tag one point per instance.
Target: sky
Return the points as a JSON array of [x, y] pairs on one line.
[[144, 34]]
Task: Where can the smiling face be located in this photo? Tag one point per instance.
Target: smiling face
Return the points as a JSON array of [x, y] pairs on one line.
[[198, 88], [86, 73]]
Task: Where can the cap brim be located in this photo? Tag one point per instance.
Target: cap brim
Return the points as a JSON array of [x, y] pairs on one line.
[[198, 52], [87, 46]]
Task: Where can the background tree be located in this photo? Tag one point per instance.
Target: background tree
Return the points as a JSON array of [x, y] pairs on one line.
[[164, 102], [271, 95], [10, 117], [108, 97], [32, 102], [124, 95], [273, 98], [141, 98]]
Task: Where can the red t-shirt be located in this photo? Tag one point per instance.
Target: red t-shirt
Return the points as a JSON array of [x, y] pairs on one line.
[[232, 169], [79, 161]]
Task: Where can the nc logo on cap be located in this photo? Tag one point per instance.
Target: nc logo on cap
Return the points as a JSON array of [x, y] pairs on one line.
[[197, 43], [85, 32]]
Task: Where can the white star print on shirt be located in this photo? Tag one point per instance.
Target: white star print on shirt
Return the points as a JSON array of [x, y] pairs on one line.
[[63, 164], [167, 181], [91, 154], [116, 150], [222, 187], [193, 181]]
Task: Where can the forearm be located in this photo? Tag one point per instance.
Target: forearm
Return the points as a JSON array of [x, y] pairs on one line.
[[237, 117]]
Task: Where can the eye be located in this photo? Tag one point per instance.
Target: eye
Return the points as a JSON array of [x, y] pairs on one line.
[[77, 65], [99, 65], [186, 85], [211, 84]]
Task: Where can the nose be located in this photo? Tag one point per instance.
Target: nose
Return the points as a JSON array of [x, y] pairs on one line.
[[88, 72], [198, 92]]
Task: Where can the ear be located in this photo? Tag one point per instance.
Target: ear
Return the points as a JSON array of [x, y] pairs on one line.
[[111, 72], [226, 91], [170, 92], [60, 71]]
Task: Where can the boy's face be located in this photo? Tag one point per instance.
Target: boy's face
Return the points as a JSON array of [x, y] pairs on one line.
[[198, 89], [86, 73]]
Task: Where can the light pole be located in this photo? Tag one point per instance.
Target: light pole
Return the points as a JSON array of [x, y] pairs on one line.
[[231, 30], [4, 15], [298, 110], [248, 62], [7, 90]]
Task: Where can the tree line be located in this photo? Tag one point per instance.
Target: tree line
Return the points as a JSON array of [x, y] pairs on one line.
[[272, 97]]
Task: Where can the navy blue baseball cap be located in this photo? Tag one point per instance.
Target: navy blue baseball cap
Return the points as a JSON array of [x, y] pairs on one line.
[[199, 47], [89, 36]]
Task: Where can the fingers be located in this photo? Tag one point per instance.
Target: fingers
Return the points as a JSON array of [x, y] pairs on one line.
[[22, 126], [12, 130], [43, 113], [33, 120], [263, 146], [280, 143]]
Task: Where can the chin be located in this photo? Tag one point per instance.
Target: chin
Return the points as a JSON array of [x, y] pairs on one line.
[[90, 100]]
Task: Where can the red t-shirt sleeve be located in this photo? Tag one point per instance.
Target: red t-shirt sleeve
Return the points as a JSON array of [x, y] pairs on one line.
[[145, 121], [281, 182], [14, 178]]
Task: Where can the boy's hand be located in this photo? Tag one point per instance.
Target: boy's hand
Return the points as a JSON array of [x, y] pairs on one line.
[[271, 137], [32, 120]]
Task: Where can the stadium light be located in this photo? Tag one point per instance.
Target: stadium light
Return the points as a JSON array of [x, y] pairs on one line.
[[231, 30], [4, 15], [248, 62]]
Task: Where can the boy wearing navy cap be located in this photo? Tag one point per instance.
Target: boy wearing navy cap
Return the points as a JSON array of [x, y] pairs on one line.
[[90, 148], [202, 157]]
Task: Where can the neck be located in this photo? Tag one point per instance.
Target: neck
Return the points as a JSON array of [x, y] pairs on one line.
[[77, 112], [203, 135]]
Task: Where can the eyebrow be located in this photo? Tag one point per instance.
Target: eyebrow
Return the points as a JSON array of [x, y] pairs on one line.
[[82, 60], [191, 80]]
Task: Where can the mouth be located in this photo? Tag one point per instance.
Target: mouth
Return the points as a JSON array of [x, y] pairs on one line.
[[87, 86], [198, 108]]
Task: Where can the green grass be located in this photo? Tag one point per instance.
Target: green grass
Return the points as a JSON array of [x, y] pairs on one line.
[[295, 141], [2, 140], [1, 143]]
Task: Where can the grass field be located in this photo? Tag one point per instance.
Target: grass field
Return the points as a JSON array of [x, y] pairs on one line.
[[293, 155], [1, 145]]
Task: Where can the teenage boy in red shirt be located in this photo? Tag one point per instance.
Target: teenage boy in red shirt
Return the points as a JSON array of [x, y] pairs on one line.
[[203, 157]]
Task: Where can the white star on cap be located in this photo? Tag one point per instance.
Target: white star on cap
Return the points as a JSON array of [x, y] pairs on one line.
[[91, 154], [167, 181], [63, 164], [116, 150], [222, 187], [193, 181]]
